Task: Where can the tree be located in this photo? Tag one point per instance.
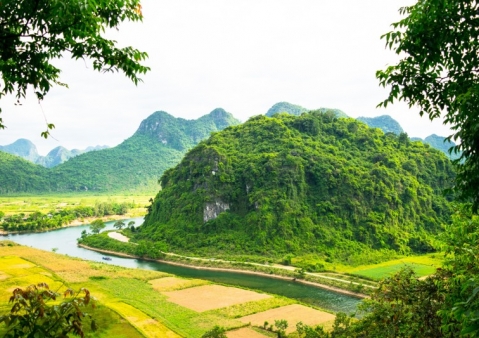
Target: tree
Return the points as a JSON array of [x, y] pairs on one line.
[[31, 316], [281, 326], [216, 332], [119, 224], [34, 32], [445, 304], [131, 223], [97, 225], [439, 72]]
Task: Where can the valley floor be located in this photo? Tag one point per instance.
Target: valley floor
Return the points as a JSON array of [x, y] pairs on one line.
[[136, 303], [277, 266]]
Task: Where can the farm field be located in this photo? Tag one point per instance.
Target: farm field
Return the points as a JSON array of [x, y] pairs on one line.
[[45, 203], [133, 302], [423, 265], [294, 313]]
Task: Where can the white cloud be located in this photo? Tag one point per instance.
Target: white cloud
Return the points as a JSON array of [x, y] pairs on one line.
[[243, 56]]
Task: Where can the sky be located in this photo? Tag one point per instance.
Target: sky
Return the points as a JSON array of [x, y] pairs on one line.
[[241, 55]]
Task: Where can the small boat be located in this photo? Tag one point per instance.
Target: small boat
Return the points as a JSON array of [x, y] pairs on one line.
[[106, 258]]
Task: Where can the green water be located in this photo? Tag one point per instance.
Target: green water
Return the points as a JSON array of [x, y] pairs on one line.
[[65, 242]]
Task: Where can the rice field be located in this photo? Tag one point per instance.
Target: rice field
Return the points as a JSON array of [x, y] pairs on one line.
[[210, 297], [19, 272], [45, 203], [175, 283], [138, 303], [422, 265], [294, 314]]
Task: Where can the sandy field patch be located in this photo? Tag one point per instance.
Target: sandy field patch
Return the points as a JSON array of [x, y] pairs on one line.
[[146, 325], [210, 297], [118, 236], [244, 332], [175, 283], [293, 314]]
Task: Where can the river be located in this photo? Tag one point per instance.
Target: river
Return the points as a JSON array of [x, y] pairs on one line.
[[64, 241]]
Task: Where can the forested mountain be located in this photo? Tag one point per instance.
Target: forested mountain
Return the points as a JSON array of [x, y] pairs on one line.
[[136, 164], [28, 151], [309, 184], [285, 107], [385, 122], [17, 174], [23, 148], [440, 142]]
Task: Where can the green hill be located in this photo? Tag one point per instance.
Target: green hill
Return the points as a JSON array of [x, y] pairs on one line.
[[17, 174], [312, 184], [28, 151], [23, 148], [440, 142], [385, 122], [286, 107], [136, 164], [293, 109]]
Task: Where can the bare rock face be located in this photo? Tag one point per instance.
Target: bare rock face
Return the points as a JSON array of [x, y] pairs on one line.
[[212, 210]]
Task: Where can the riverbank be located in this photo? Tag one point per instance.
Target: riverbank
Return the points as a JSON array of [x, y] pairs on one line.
[[74, 223], [237, 270]]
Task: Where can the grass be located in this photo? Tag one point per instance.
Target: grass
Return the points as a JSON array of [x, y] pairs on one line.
[[22, 273], [423, 265], [45, 203], [143, 323], [249, 308], [142, 296], [129, 305], [175, 283]]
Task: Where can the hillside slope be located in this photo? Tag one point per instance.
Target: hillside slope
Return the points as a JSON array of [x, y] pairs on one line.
[[136, 164], [384, 122], [293, 109], [28, 151], [22, 148], [309, 184], [17, 174]]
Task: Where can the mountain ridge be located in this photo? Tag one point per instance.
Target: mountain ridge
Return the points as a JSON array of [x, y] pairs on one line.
[[135, 164], [302, 184], [27, 150]]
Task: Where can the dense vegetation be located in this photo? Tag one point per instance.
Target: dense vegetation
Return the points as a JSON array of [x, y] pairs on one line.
[[308, 184], [56, 218], [293, 109], [17, 174], [136, 164]]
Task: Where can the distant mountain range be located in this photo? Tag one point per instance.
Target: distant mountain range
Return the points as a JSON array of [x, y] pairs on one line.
[[307, 185], [385, 122], [293, 109], [28, 151], [136, 164]]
